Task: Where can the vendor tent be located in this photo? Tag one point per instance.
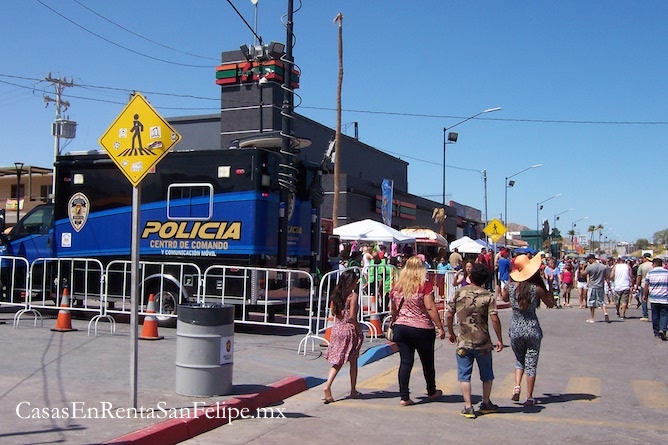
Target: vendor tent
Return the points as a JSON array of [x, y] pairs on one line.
[[370, 230], [425, 236], [466, 245]]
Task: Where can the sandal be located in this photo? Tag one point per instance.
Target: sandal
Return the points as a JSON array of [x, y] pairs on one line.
[[516, 394], [408, 402], [530, 402], [436, 395], [328, 397]]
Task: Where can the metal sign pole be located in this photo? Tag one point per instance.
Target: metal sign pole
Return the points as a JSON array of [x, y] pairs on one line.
[[134, 297]]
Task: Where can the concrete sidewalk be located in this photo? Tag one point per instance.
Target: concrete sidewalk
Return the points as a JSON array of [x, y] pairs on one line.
[[74, 388]]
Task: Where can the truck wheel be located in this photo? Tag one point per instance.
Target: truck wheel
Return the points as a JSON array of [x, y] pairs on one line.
[[166, 303]]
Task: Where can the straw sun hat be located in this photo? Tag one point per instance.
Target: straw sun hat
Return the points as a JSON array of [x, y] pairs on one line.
[[524, 268]]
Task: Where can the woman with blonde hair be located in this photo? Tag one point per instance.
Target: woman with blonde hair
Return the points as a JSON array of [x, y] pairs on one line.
[[415, 316]]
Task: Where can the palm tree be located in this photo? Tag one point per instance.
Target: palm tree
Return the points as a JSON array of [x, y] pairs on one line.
[[571, 233], [600, 230], [591, 230]]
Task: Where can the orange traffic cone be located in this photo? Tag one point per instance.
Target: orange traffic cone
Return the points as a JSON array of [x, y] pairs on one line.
[[64, 321], [328, 331], [374, 319], [149, 329]]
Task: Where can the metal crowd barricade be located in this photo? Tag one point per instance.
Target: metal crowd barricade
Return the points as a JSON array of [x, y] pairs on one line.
[[444, 288], [374, 294], [261, 290], [14, 282], [321, 320], [82, 277], [172, 283]]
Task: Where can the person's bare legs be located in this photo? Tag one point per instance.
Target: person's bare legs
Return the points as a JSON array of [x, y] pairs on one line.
[[466, 393], [531, 382], [486, 391], [353, 378], [333, 371], [519, 373]]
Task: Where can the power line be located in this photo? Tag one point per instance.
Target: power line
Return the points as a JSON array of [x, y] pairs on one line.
[[442, 116], [389, 113], [117, 44], [141, 36]]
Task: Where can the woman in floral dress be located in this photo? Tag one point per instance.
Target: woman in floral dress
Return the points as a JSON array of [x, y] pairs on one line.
[[346, 336]]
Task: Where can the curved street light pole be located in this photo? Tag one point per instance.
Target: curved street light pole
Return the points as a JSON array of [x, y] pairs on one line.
[[556, 217], [574, 223], [452, 138], [505, 205], [538, 208]]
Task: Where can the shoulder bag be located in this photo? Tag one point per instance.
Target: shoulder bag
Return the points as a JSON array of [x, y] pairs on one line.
[[389, 333]]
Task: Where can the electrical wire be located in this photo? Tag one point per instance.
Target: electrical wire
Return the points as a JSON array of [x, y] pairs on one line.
[[141, 36], [119, 45], [390, 113]]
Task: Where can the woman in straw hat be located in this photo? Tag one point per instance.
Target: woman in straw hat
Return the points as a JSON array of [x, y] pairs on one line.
[[525, 292]]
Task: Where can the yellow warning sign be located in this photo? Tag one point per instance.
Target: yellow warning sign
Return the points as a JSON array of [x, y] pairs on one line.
[[138, 139], [495, 229]]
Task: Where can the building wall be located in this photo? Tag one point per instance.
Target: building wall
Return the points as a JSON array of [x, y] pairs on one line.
[[31, 196]]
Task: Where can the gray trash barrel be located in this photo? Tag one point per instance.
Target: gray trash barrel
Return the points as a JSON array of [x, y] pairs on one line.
[[204, 350]]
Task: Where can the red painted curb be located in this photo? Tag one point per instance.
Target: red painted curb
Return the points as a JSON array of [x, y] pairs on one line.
[[174, 431]]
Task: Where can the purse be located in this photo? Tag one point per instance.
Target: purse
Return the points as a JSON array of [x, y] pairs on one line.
[[389, 333]]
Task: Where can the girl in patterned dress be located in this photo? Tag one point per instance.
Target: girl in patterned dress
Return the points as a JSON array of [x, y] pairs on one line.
[[525, 292], [346, 336]]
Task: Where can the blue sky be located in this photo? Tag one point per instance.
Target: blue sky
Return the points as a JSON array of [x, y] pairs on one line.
[[582, 85]]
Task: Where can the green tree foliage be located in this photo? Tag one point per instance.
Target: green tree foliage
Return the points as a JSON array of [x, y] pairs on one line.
[[642, 243], [661, 237]]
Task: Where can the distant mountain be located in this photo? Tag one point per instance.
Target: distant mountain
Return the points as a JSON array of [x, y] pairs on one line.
[[513, 227]]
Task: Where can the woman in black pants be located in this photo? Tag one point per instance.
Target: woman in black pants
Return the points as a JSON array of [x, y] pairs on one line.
[[415, 316]]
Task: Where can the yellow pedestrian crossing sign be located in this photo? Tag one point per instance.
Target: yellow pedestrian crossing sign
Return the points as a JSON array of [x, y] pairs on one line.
[[138, 139], [495, 230]]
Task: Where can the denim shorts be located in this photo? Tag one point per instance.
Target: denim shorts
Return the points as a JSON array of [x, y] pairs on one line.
[[595, 297], [465, 365]]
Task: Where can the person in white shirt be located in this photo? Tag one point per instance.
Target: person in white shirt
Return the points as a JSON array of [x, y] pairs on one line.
[[620, 278]]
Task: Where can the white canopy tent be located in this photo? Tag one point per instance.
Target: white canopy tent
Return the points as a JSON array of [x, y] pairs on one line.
[[370, 230], [426, 236], [466, 245]]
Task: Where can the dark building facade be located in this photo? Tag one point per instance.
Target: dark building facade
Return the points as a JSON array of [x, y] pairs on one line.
[[251, 99]]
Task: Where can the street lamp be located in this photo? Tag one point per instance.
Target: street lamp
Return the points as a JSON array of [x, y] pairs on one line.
[[19, 171], [539, 207], [556, 217], [505, 205], [452, 138]]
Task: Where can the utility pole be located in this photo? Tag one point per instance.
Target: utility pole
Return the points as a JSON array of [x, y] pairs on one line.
[[61, 127], [337, 138]]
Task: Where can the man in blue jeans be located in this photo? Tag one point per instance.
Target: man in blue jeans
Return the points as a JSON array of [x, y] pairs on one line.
[[474, 305], [656, 292]]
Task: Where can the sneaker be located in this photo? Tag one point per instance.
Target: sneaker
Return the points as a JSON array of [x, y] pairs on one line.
[[486, 408], [662, 336], [607, 318], [469, 413], [644, 319]]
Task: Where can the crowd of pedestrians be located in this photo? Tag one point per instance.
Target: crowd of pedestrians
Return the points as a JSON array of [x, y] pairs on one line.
[[525, 281]]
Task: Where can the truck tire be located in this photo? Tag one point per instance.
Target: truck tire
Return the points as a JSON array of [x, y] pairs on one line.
[[166, 306]]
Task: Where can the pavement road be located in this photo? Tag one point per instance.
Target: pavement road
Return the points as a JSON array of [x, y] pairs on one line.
[[597, 383]]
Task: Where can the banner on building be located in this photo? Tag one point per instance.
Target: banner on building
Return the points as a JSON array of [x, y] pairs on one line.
[[386, 207]]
